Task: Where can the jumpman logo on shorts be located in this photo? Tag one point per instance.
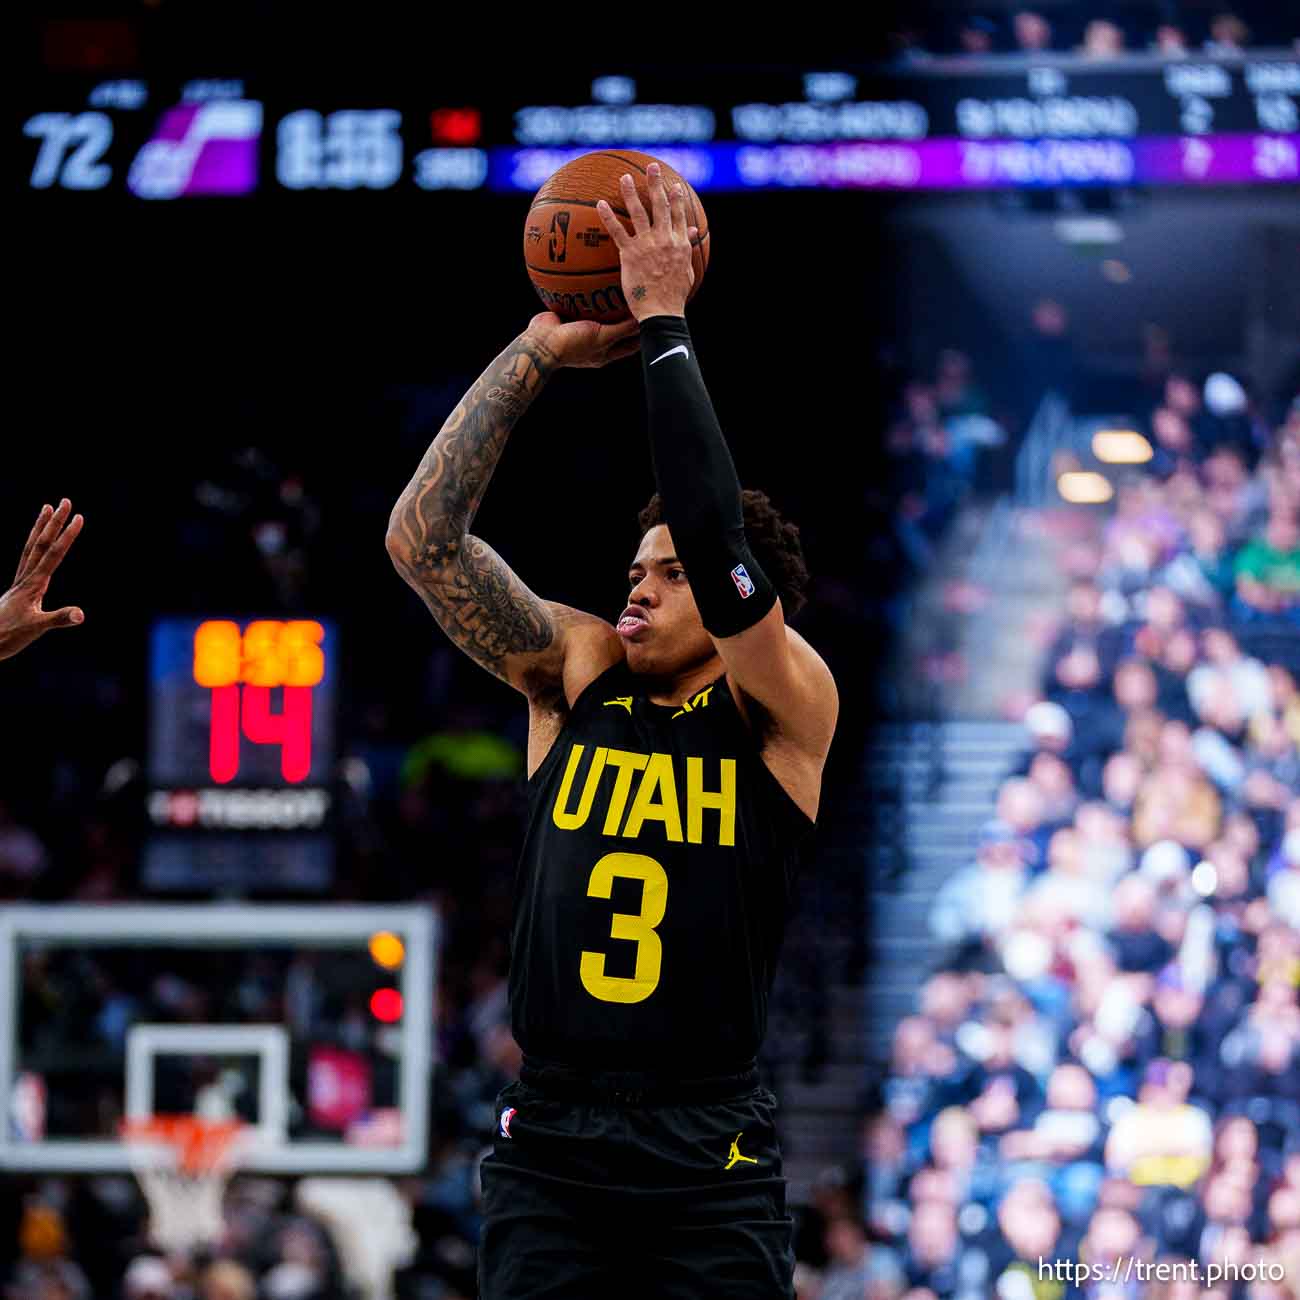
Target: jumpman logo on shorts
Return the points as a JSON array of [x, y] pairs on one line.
[[734, 1157]]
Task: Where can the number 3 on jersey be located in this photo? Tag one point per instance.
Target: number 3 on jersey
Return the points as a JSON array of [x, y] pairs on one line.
[[640, 928]]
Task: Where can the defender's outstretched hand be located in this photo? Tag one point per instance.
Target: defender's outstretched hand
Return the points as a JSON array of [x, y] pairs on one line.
[[22, 619], [585, 343], [656, 258]]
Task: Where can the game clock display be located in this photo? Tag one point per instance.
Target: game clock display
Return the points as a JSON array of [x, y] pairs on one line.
[[241, 753]]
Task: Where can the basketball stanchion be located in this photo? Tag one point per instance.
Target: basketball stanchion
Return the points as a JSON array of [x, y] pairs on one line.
[[184, 1164]]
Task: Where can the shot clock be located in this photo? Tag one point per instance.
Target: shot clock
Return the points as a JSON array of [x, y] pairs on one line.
[[241, 754]]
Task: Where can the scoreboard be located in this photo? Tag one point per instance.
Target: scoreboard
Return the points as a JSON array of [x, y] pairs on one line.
[[241, 754], [1055, 120]]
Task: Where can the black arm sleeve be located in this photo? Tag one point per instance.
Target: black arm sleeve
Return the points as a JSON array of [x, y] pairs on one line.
[[697, 481]]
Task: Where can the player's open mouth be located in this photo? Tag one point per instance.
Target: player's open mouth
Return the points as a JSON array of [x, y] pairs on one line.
[[631, 621]]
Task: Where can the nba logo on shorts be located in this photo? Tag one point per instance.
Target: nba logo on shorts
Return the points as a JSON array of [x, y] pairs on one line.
[[506, 1116], [744, 583]]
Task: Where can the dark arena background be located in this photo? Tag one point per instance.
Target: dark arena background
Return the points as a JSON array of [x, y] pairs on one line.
[[1003, 310]]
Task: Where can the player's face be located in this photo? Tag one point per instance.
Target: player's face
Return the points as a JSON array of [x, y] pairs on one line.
[[661, 628]]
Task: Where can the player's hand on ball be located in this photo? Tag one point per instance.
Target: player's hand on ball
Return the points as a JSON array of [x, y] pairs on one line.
[[656, 264], [585, 343], [22, 619]]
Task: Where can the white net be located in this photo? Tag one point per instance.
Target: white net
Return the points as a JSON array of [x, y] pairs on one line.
[[184, 1165]]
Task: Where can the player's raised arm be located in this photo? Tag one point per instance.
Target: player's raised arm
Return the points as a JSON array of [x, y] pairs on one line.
[[22, 619], [697, 479], [477, 599]]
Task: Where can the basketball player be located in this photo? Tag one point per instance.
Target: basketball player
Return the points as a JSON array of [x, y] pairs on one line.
[[22, 619], [674, 764]]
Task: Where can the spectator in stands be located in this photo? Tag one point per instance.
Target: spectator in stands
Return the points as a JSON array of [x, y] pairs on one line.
[[982, 900], [1202, 573], [946, 998], [148, 1278], [908, 45], [1032, 31], [955, 388], [1020, 806], [1268, 571], [1176, 801], [1066, 886], [1261, 1053], [997, 1091], [1170, 1028], [918, 1064], [1028, 1230], [1121, 778], [1048, 355], [1068, 1129], [1183, 398], [1137, 945], [977, 35], [1104, 841], [1113, 1237], [227, 1280], [1228, 35], [846, 1248], [954, 1150], [1231, 493], [1284, 881], [23, 857], [1172, 442], [1171, 41], [1055, 782], [1162, 1140], [1102, 39], [934, 1247]]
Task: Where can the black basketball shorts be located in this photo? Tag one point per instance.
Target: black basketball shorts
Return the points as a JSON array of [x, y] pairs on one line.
[[623, 1200]]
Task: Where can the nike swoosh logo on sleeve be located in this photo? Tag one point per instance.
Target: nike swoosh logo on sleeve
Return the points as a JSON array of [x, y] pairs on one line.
[[681, 347]]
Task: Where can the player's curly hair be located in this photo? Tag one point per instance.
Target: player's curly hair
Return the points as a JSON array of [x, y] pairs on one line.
[[774, 541]]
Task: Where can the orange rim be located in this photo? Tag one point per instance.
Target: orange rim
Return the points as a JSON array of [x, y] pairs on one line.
[[200, 1145]]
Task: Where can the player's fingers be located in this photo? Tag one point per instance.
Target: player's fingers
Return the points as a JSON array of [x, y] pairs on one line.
[[659, 204], [693, 234], [677, 206], [45, 538], [56, 550], [29, 545], [632, 202], [54, 523], [68, 616], [617, 231]]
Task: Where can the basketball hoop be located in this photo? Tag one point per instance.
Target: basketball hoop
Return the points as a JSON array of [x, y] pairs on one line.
[[183, 1164]]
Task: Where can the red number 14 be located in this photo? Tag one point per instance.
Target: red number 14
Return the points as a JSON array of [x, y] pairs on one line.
[[290, 729], [240, 668]]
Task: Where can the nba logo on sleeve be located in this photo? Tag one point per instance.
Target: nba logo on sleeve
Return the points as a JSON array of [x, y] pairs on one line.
[[506, 1116], [744, 583]]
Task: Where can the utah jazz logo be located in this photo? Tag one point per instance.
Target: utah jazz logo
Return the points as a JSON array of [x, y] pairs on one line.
[[734, 1157], [558, 244], [625, 701], [697, 703]]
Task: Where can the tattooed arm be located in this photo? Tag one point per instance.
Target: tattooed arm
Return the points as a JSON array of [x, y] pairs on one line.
[[537, 646]]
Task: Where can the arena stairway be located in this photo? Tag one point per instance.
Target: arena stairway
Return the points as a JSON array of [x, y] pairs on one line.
[[935, 784], [933, 773]]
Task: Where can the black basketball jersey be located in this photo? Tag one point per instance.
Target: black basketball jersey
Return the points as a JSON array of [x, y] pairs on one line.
[[653, 886]]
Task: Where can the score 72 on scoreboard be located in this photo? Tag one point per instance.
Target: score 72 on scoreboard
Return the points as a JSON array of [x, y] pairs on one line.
[[242, 724]]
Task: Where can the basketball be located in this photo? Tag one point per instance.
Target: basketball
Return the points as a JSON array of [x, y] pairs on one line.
[[570, 257]]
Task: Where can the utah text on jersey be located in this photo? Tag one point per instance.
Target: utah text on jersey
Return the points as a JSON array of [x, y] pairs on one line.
[[655, 799]]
